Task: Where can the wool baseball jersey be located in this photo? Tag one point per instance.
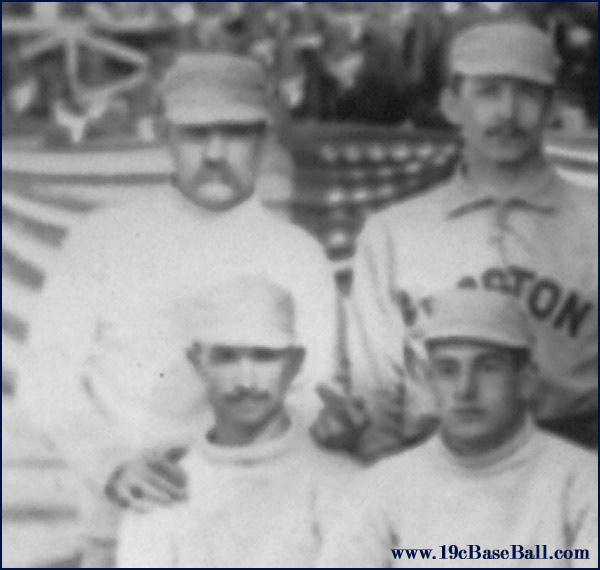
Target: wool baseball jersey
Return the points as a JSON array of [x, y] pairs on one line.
[[536, 492], [538, 244], [265, 505], [105, 348]]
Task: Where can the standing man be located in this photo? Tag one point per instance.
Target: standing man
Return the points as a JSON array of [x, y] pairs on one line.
[[102, 353], [490, 485], [504, 222]]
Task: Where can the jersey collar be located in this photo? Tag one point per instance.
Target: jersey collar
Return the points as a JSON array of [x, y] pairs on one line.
[[536, 191]]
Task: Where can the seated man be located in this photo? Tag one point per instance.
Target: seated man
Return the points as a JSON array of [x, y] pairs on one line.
[[489, 481], [260, 493]]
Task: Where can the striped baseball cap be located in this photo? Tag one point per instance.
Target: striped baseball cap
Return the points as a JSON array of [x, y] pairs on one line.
[[207, 88]]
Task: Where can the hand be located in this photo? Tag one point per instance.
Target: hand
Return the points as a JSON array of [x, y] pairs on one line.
[[153, 478], [341, 422], [400, 420]]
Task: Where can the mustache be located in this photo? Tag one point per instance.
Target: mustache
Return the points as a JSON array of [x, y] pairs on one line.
[[506, 130], [220, 172], [241, 394], [466, 409]]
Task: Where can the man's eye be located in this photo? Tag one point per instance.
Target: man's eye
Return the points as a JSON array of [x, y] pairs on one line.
[[224, 355], [445, 370], [193, 133], [265, 354], [531, 90], [242, 131], [491, 90], [236, 131], [492, 366]]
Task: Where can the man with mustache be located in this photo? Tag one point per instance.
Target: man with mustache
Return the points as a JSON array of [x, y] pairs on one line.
[[260, 493], [490, 483], [101, 353], [505, 222]]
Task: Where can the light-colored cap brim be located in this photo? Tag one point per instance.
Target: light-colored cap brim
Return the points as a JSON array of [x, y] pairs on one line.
[[257, 337], [481, 335], [216, 114]]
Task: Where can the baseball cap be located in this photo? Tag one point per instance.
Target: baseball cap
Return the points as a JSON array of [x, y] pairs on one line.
[[477, 315], [248, 310], [505, 48], [208, 88]]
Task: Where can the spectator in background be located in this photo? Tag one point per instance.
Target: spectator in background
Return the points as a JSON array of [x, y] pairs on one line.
[[320, 89]]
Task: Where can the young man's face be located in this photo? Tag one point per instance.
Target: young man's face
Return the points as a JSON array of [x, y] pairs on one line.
[[247, 386], [216, 165], [502, 118], [482, 392]]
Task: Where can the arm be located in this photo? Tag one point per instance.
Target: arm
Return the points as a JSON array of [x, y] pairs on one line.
[[582, 512], [375, 325], [398, 397], [317, 321], [56, 383]]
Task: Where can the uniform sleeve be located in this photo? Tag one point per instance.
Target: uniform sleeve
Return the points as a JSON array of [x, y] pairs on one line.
[[147, 540], [582, 513], [317, 322], [359, 534], [57, 380], [378, 347], [375, 325]]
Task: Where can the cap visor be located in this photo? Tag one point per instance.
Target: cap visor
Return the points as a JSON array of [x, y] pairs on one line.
[[481, 335]]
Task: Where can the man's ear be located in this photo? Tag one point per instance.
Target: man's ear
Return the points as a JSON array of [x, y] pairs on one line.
[[552, 109], [449, 102], [295, 361], [527, 381], [193, 354]]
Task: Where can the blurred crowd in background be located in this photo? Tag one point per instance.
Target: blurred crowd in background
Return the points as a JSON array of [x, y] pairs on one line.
[[362, 62]]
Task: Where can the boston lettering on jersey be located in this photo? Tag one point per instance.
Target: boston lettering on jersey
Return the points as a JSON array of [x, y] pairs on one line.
[[546, 299]]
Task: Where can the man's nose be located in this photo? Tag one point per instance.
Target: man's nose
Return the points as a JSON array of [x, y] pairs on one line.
[[466, 386], [509, 103], [215, 148], [247, 373]]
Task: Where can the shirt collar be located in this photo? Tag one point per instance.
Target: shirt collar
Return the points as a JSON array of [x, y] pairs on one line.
[[509, 452], [257, 453], [535, 191]]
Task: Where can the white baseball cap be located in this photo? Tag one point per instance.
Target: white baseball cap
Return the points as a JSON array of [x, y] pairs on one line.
[[248, 310], [505, 48], [208, 88], [477, 315]]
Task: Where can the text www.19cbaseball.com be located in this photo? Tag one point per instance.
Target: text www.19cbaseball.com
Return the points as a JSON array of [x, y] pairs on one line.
[[475, 552]]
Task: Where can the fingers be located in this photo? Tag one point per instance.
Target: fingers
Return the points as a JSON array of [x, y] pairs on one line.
[[152, 491], [330, 397], [174, 491], [341, 402], [334, 430], [176, 454], [172, 473], [391, 402], [374, 445], [358, 415], [146, 482]]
